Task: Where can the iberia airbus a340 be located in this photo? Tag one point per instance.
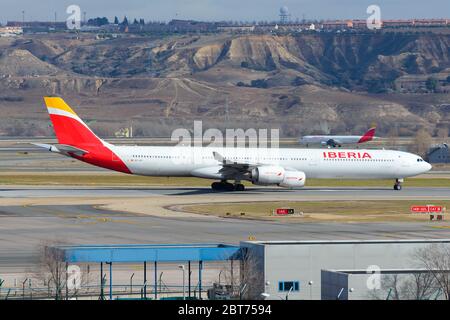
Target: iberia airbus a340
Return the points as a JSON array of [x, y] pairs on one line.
[[282, 167]]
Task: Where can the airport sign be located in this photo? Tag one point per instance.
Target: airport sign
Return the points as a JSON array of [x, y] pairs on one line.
[[426, 209]]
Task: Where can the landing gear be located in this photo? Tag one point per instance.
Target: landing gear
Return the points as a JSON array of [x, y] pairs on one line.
[[226, 186], [398, 184]]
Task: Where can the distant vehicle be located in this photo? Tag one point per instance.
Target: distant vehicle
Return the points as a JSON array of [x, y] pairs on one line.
[[338, 141], [283, 167]]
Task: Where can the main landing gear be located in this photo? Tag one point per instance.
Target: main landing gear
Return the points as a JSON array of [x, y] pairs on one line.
[[226, 186], [398, 184]]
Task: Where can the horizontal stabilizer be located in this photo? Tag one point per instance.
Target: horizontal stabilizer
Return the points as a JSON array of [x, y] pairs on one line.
[[62, 148]]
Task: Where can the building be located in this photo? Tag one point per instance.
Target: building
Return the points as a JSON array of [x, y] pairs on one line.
[[439, 154], [38, 26], [183, 26], [293, 269], [10, 31], [352, 285]]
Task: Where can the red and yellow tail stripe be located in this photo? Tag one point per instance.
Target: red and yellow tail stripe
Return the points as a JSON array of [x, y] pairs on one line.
[[69, 128], [72, 131]]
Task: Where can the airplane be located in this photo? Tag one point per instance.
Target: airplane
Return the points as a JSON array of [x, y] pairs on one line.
[[284, 167], [338, 141]]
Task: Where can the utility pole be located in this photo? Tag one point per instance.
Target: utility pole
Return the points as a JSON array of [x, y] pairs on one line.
[[226, 110], [182, 267]]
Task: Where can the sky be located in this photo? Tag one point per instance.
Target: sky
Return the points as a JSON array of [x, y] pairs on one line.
[[219, 10]]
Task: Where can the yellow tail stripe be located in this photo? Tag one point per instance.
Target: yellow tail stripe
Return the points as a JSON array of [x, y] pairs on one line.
[[58, 103]]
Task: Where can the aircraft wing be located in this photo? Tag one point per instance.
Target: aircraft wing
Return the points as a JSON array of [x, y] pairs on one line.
[[232, 168]]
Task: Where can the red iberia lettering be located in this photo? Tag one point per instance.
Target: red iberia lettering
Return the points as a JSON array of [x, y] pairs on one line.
[[347, 155]]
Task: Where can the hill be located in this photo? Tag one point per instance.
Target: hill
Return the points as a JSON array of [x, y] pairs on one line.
[[310, 83]]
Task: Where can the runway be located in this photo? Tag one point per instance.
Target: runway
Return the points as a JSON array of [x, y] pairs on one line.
[[251, 193], [31, 215], [23, 228]]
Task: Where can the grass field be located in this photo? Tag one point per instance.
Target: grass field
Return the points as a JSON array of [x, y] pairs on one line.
[[120, 180], [395, 210]]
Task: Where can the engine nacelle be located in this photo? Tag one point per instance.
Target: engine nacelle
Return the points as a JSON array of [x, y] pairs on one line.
[[293, 179], [266, 175]]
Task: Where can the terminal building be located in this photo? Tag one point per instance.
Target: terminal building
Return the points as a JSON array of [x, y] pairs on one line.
[[439, 154], [338, 270], [271, 270]]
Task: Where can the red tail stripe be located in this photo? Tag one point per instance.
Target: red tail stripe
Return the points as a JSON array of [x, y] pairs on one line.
[[367, 136]]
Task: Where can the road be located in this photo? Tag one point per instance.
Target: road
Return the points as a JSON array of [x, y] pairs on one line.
[[24, 227]]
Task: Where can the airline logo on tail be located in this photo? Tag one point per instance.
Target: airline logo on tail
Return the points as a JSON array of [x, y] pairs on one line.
[[368, 136], [69, 128], [74, 135]]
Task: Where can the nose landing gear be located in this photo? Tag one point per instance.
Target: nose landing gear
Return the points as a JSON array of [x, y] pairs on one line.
[[398, 184]]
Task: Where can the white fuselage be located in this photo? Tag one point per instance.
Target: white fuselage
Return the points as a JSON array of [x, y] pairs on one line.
[[315, 163], [324, 139]]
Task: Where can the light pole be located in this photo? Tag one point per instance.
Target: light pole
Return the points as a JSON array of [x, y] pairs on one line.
[[184, 277], [290, 290], [351, 291], [310, 283]]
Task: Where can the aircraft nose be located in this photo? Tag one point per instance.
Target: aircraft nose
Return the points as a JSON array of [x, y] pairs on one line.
[[428, 166]]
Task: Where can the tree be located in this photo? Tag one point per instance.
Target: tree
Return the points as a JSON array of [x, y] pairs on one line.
[[442, 134], [98, 21], [422, 142], [416, 286], [248, 281], [431, 84], [125, 21], [436, 259], [251, 276], [393, 137], [116, 20], [52, 269]]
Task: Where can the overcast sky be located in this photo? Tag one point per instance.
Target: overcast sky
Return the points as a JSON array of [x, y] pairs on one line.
[[214, 10]]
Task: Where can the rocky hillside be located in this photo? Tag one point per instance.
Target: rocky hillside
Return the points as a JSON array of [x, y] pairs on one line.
[[307, 83]]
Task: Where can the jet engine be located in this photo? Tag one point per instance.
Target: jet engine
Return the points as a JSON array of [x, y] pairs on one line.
[[265, 175], [293, 179]]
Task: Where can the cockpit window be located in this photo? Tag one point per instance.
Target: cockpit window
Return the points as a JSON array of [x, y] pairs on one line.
[[419, 160]]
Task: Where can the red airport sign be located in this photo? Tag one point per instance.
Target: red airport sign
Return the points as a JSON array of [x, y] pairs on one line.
[[426, 209], [284, 211]]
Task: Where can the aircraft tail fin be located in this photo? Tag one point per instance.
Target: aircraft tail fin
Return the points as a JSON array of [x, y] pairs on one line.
[[368, 136], [69, 128]]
